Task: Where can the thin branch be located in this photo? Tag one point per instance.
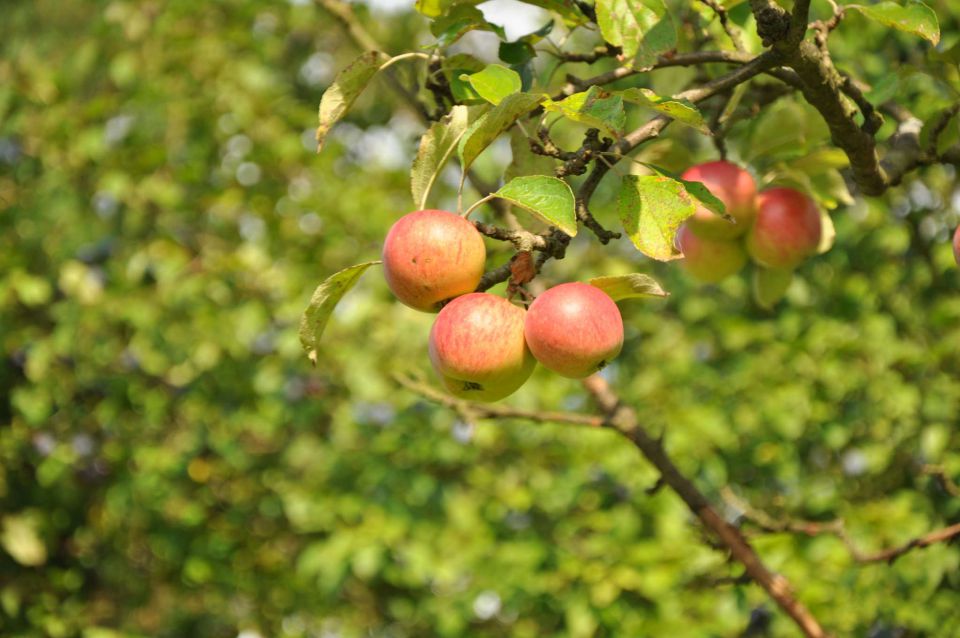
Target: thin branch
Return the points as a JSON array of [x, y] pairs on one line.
[[947, 483], [732, 31]]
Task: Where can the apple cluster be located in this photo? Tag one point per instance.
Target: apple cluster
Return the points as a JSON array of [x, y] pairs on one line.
[[778, 228], [482, 346]]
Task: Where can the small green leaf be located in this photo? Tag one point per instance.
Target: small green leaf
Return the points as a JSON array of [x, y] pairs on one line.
[[460, 20], [914, 17], [770, 285], [436, 147], [322, 303], [697, 190], [518, 52], [481, 133], [652, 207], [594, 107], [455, 67], [681, 111], [634, 285], [21, 539], [345, 89], [548, 198], [494, 82], [644, 29]]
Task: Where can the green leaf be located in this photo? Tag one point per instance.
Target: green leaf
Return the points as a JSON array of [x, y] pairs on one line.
[[460, 20], [481, 133], [594, 107], [566, 9], [494, 82], [697, 190], [681, 111], [455, 67], [348, 84], [322, 303], [436, 147], [21, 539], [526, 162], [652, 207], [915, 17], [518, 52], [770, 285], [828, 232], [634, 285], [643, 29], [548, 198]]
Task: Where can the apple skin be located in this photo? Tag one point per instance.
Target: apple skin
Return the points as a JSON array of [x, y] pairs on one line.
[[733, 186], [956, 245], [787, 229], [431, 256], [710, 260], [478, 349], [574, 329]]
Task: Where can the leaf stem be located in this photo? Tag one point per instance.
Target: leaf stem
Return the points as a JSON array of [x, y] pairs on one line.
[[403, 56], [477, 204]]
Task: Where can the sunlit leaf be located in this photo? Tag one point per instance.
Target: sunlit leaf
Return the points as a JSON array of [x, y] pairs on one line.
[[549, 199], [595, 108], [494, 82], [652, 207], [322, 303], [436, 147], [481, 133], [345, 89], [643, 29], [912, 17], [460, 20], [681, 111], [634, 285]]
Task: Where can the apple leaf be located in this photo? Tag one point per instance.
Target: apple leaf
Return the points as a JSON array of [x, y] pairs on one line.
[[460, 20], [634, 285], [494, 82], [828, 233], [643, 29], [548, 198], [481, 133], [914, 17], [346, 87], [697, 190], [566, 9], [594, 107], [681, 111], [652, 207], [436, 147], [322, 303], [770, 285]]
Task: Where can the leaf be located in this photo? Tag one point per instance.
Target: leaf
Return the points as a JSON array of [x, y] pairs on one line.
[[322, 303], [348, 84], [494, 82], [634, 285], [828, 233], [454, 68], [526, 162], [460, 20], [770, 285], [697, 190], [594, 107], [566, 9], [652, 207], [436, 147], [518, 52], [21, 539], [548, 198], [915, 17], [481, 133], [681, 111], [643, 29]]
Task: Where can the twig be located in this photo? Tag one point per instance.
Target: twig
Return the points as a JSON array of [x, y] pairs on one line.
[[732, 31], [947, 483]]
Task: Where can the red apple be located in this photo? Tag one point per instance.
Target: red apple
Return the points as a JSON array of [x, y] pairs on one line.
[[477, 347], [710, 260], [574, 329], [787, 229], [431, 256], [735, 188], [956, 245]]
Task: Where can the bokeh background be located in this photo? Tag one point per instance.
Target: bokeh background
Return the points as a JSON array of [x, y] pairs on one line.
[[170, 464]]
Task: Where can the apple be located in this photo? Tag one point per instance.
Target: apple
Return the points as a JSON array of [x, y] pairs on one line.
[[431, 256], [956, 245], [478, 349], [734, 187], [710, 260], [787, 229], [574, 329]]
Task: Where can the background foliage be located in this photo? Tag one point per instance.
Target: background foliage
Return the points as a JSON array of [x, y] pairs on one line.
[[170, 465]]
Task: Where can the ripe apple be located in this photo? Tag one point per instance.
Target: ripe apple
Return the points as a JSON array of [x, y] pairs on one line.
[[477, 347], [735, 188], [787, 229], [710, 260], [430, 256], [956, 245], [574, 329]]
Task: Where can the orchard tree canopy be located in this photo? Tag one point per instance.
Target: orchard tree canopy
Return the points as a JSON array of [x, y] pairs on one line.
[[219, 420]]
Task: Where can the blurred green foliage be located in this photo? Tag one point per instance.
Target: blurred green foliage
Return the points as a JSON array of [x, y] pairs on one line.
[[170, 465]]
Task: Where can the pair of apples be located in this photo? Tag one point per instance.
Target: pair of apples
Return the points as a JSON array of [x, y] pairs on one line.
[[482, 346], [782, 226]]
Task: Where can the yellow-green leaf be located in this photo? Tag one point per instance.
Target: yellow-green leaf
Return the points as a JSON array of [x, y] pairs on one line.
[[346, 87], [912, 17], [652, 207], [548, 198], [634, 285], [322, 303]]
